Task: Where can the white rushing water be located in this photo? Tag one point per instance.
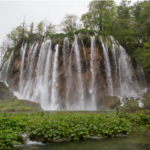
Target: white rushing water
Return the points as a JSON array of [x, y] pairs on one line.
[[48, 72], [69, 81], [141, 77], [27, 88], [107, 67], [54, 93], [41, 92], [22, 56], [114, 50], [5, 69], [80, 80], [129, 87], [93, 78]]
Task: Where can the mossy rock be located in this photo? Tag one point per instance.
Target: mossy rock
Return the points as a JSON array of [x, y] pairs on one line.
[[10, 103], [130, 106]]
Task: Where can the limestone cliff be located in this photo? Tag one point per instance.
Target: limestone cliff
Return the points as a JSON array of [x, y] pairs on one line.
[[78, 75]]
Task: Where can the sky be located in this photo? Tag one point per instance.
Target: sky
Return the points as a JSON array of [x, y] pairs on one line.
[[12, 13]]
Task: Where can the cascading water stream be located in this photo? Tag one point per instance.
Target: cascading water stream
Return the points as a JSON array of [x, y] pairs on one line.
[[54, 93], [141, 76], [32, 59], [46, 80], [65, 66], [64, 78], [83, 46], [22, 56], [107, 68], [35, 86], [29, 83], [115, 58], [5, 69], [69, 81], [129, 87], [65, 48], [80, 81], [93, 80], [30, 55]]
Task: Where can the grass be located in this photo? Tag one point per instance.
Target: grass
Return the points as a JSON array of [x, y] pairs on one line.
[[10, 103], [15, 106]]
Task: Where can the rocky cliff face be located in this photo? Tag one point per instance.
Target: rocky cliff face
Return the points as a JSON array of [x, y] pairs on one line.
[[80, 72], [10, 103]]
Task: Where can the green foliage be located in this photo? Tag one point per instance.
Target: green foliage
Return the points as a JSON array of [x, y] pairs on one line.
[[128, 24], [85, 31], [46, 127], [40, 28], [70, 33], [60, 35], [69, 23], [7, 138], [50, 29], [9, 105], [100, 16], [102, 33], [139, 119], [17, 34], [143, 55]]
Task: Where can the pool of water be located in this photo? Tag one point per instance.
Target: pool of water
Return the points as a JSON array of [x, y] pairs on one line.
[[135, 141]]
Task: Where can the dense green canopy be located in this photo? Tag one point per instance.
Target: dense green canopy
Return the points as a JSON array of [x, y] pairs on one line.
[[128, 24]]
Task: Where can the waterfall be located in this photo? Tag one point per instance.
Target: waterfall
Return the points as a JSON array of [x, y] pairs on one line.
[[93, 80], [5, 73], [65, 68], [46, 80], [22, 56], [141, 77], [65, 48], [54, 93], [114, 51], [31, 61], [40, 85], [75, 77], [83, 46], [30, 54], [80, 81], [128, 81], [107, 68], [69, 81], [129, 87], [28, 86]]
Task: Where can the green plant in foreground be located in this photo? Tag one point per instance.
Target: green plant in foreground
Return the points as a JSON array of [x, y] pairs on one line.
[[47, 128], [7, 138]]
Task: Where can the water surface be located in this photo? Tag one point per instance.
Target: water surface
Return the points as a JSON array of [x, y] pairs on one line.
[[135, 141]]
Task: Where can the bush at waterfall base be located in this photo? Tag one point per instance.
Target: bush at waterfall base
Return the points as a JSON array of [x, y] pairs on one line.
[[65, 126]]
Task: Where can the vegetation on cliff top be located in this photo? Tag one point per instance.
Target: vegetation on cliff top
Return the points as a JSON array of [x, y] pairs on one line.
[[128, 24]]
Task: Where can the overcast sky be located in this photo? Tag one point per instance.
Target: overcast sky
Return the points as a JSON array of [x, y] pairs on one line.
[[12, 12]]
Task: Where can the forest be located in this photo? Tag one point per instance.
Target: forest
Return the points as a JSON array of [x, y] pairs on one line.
[[128, 23]]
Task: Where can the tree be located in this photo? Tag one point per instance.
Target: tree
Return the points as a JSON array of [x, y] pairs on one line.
[[40, 28], [17, 34], [142, 20], [31, 28], [100, 16], [50, 29], [69, 23], [123, 29], [5, 45]]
